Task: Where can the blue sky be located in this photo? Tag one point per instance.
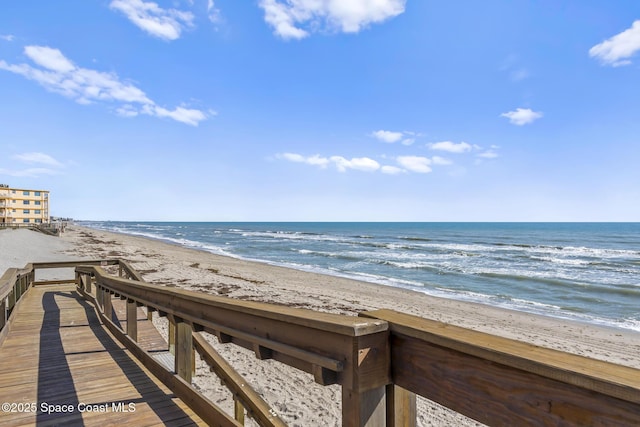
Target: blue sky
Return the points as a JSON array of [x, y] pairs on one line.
[[324, 110]]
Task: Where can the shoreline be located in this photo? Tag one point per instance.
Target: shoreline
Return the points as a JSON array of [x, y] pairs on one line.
[[477, 281], [356, 277], [261, 281], [291, 393]]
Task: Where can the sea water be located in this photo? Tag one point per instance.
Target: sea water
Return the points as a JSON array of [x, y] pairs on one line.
[[581, 271]]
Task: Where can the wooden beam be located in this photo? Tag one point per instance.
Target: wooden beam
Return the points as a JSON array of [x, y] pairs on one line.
[[107, 307], [184, 349], [202, 406], [132, 320], [364, 409], [504, 382], [238, 410], [401, 407], [171, 335], [298, 337], [241, 389]]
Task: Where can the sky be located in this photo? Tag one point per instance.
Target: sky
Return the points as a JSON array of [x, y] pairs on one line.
[[324, 110]]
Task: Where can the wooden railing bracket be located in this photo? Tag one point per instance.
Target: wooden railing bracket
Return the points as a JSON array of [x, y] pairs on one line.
[[262, 352]]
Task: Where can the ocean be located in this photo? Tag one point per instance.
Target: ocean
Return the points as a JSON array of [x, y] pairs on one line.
[[587, 272]]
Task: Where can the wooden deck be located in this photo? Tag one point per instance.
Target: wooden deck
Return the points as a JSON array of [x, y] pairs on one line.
[[58, 353]]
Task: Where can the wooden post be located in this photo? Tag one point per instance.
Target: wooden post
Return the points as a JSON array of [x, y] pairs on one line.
[[238, 410], [132, 319], [3, 313], [401, 407], [172, 336], [107, 304], [12, 299], [99, 296], [149, 314], [364, 409], [183, 349], [88, 280]]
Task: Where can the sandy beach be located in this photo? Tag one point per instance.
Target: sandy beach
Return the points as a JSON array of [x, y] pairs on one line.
[[294, 395]]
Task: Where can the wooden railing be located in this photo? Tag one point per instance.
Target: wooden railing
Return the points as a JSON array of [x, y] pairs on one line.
[[382, 359], [52, 229], [15, 282]]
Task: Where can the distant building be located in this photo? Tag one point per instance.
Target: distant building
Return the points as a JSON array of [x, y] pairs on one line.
[[21, 206]]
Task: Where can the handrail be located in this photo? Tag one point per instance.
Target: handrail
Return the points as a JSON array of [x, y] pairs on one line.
[[16, 281], [318, 343], [382, 359], [500, 381], [243, 394], [242, 391]]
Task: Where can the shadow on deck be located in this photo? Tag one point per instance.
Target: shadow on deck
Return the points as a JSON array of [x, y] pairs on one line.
[[79, 374]]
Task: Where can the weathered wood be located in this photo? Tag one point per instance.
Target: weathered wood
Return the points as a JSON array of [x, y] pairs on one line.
[[3, 313], [202, 406], [106, 301], [132, 320], [492, 379], [283, 333], [172, 336], [184, 350], [364, 408], [73, 264], [503, 382], [401, 407], [53, 282], [238, 410], [66, 357], [256, 406]]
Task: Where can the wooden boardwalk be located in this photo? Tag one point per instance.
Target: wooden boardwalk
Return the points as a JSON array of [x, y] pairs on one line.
[[58, 358]]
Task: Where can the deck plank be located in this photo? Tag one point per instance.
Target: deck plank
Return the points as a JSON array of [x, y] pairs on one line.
[[58, 353]]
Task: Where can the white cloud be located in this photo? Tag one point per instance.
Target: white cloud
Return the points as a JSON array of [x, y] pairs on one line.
[[392, 170], [441, 161], [54, 166], [292, 157], [35, 157], [387, 136], [166, 24], [415, 163], [49, 58], [405, 137], [359, 163], [451, 147], [489, 154], [364, 164], [522, 116], [127, 111], [213, 12], [315, 160], [7, 37], [348, 16], [60, 75], [617, 50], [185, 115]]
